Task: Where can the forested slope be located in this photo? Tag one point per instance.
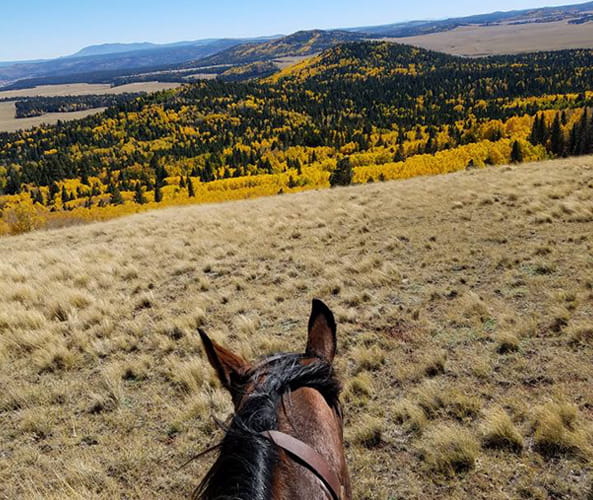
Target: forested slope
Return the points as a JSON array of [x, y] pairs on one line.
[[387, 110]]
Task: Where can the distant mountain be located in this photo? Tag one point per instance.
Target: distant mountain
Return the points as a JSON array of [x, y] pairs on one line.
[[540, 15], [113, 48], [157, 57], [301, 43], [3, 64], [169, 60], [118, 48]]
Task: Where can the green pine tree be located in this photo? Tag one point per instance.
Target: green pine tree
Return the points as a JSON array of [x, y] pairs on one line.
[[190, 187], [158, 194], [342, 175], [517, 153], [116, 197], [139, 194], [557, 137]]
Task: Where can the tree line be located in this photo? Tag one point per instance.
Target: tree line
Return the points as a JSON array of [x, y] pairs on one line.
[[385, 103]]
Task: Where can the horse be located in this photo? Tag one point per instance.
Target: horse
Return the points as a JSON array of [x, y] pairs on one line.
[[285, 440]]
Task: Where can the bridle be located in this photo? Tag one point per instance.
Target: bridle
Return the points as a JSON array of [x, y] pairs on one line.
[[303, 454], [308, 457]]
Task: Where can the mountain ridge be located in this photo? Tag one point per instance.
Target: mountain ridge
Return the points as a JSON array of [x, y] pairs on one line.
[[300, 43], [117, 58], [422, 27]]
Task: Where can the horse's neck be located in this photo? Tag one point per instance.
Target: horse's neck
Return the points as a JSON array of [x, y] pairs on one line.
[[305, 415]]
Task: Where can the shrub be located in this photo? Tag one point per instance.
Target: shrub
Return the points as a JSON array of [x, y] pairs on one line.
[[23, 216]]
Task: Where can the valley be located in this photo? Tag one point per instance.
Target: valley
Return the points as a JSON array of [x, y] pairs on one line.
[[85, 89], [8, 122]]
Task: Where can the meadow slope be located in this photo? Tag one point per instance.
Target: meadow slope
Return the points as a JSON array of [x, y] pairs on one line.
[[465, 321]]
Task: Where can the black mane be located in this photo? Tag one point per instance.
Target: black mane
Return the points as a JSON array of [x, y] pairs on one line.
[[243, 470]]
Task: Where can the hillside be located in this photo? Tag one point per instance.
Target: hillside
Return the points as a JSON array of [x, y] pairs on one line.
[[389, 111], [465, 322], [301, 43]]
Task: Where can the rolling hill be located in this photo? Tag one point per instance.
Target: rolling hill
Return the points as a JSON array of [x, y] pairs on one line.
[[301, 43], [485, 40], [465, 333]]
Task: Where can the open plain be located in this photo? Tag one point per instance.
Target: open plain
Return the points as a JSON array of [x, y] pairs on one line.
[[9, 123], [86, 89], [465, 321], [477, 41]]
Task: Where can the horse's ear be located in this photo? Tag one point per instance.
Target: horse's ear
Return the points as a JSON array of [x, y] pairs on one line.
[[229, 367], [321, 341]]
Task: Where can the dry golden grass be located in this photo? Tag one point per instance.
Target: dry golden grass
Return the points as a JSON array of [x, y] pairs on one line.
[[465, 339], [87, 89], [506, 39], [8, 122]]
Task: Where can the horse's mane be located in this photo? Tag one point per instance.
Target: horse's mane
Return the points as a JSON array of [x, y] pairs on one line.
[[243, 470]]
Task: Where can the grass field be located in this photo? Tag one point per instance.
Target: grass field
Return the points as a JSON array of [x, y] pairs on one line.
[[465, 322], [506, 39], [8, 122], [87, 89]]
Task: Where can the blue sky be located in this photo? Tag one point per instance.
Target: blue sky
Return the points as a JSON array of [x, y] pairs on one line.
[[32, 29]]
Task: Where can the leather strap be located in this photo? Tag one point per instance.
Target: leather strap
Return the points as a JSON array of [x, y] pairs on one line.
[[310, 458]]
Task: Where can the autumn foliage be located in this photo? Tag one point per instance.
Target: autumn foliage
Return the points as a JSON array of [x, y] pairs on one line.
[[389, 111]]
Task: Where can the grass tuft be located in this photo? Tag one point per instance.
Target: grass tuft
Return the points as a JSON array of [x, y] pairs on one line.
[[450, 450], [410, 416], [580, 333], [506, 342], [368, 432], [557, 431], [499, 432]]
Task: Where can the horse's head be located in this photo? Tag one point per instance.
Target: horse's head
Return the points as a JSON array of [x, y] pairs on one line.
[[285, 439], [241, 377]]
